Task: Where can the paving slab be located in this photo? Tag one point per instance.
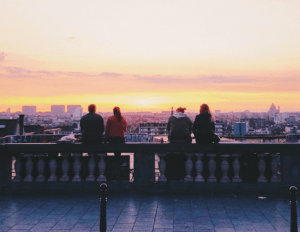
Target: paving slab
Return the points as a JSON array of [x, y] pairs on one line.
[[155, 213]]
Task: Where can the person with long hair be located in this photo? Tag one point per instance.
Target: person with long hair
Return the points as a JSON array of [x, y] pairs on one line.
[[204, 126], [116, 128]]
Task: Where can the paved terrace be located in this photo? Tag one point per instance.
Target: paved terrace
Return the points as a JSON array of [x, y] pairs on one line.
[[224, 213]]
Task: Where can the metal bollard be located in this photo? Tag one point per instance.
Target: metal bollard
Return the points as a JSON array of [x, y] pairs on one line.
[[103, 199], [293, 202]]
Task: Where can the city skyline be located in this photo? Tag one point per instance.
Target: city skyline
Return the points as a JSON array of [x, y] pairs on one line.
[[150, 56]]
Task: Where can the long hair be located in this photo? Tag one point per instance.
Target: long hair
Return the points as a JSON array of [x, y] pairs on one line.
[[117, 113], [204, 108]]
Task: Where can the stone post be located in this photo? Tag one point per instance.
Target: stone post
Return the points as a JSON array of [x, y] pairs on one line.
[[262, 168], [162, 167], [91, 166], [188, 168], [52, 167], [199, 167], [76, 167], [101, 167], [274, 167], [65, 167], [40, 167], [225, 168], [212, 168], [236, 168], [29, 167], [18, 166]]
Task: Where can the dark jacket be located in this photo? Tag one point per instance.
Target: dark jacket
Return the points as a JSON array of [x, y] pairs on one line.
[[179, 128], [92, 128], [204, 128]]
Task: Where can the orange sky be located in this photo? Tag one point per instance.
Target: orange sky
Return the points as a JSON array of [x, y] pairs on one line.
[[150, 55]]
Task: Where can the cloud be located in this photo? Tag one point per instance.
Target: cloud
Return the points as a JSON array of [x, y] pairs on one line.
[[2, 56], [109, 74], [207, 79]]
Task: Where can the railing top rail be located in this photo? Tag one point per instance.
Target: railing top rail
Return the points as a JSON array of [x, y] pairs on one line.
[[151, 147]]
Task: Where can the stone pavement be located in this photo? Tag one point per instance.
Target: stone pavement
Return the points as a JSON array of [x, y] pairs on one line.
[[157, 213]]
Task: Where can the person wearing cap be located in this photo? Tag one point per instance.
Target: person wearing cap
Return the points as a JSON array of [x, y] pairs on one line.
[[92, 127], [179, 127]]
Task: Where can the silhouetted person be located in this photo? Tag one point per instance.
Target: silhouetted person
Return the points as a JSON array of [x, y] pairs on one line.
[[204, 126], [116, 128], [179, 127], [92, 126]]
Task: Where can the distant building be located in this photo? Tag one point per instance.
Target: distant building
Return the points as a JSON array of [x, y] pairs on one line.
[[219, 127], [272, 111], [29, 110], [57, 109], [76, 110], [9, 127], [153, 128], [240, 128]]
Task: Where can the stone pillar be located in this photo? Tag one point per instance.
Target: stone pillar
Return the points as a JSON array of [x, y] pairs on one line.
[[101, 167], [262, 168], [212, 168], [144, 168], [18, 166], [76, 167], [29, 167], [162, 167], [236, 168], [225, 168], [274, 167], [188, 168], [65, 167], [199, 167], [91, 166], [52, 167], [41, 168]]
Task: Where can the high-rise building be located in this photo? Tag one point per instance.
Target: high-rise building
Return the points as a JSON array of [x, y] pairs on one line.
[[29, 110], [76, 110], [58, 109]]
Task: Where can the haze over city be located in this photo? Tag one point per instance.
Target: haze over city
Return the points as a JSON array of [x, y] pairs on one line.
[[150, 55]]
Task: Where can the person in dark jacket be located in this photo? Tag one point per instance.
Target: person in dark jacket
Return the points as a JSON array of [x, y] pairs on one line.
[[179, 127], [92, 126], [204, 126]]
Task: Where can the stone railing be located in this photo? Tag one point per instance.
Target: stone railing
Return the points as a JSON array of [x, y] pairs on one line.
[[228, 164]]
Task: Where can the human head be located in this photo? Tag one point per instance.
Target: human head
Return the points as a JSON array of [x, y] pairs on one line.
[[180, 109], [117, 112], [204, 108], [92, 108]]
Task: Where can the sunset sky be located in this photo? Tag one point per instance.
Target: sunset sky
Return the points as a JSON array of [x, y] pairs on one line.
[[150, 55]]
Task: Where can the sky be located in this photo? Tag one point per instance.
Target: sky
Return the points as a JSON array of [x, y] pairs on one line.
[[150, 55]]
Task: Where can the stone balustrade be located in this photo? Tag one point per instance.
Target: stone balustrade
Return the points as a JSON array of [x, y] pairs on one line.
[[226, 164]]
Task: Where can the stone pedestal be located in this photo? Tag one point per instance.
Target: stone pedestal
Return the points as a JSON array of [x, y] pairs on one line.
[[236, 168], [162, 167], [29, 167], [188, 168], [91, 166], [262, 168], [41, 168], [76, 167], [65, 167], [101, 167], [225, 168], [199, 167], [212, 168]]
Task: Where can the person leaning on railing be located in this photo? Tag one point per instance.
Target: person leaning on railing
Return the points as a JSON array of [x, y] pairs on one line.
[[179, 127], [116, 128], [92, 126], [204, 126]]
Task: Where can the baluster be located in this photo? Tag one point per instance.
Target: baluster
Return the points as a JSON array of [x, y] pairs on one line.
[[188, 168], [162, 167], [261, 168], [18, 166], [199, 167], [91, 166], [225, 168], [52, 167], [29, 167], [236, 168], [101, 167], [274, 167], [212, 168], [76, 167], [65, 167], [41, 168]]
